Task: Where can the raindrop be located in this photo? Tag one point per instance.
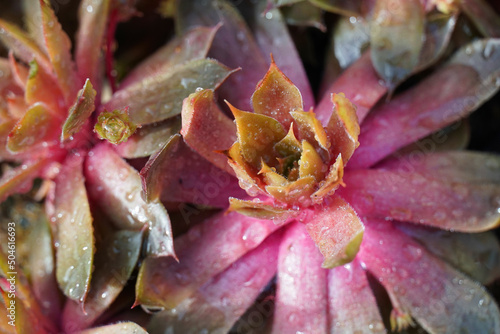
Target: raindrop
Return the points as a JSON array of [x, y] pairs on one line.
[[90, 9], [269, 15], [104, 295], [488, 50], [353, 19], [68, 273], [412, 252]]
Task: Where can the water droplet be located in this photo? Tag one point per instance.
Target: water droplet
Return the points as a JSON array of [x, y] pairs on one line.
[[68, 273], [489, 49], [90, 9], [269, 15], [412, 252], [401, 214], [85, 248], [104, 295]]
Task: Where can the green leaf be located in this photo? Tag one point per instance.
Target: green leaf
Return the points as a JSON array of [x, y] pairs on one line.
[[396, 33], [148, 139], [192, 45], [59, 49], [80, 111], [22, 45], [115, 259], [20, 179], [75, 237], [160, 96], [39, 125]]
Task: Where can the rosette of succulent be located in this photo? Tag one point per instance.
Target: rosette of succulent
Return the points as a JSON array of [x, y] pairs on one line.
[[399, 223], [81, 225]]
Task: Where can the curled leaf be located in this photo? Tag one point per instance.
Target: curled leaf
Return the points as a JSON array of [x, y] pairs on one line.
[[115, 126], [79, 112]]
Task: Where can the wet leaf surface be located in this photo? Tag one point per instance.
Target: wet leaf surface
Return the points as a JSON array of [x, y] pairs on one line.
[[353, 309], [117, 187], [120, 328], [396, 36], [442, 290], [75, 253], [158, 97], [301, 296], [93, 18], [193, 45], [149, 139], [79, 112], [38, 126], [203, 253], [218, 304], [206, 129], [433, 103], [337, 232], [434, 201], [116, 258], [59, 50]]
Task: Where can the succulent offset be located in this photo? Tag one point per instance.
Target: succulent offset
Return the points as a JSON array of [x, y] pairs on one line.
[[317, 195]]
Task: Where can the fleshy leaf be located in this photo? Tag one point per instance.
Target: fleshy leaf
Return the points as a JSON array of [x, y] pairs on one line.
[[486, 20], [115, 126], [59, 47], [117, 188], [193, 45], [120, 328], [396, 35], [360, 84], [39, 125], [221, 301], [276, 96], [20, 179], [149, 139], [301, 297], [93, 16], [438, 30], [259, 210], [151, 173], [79, 112], [353, 309], [272, 34], [477, 255], [453, 166], [114, 263], [206, 129], [188, 177], [337, 231], [22, 45], [160, 96], [349, 40], [257, 135], [434, 103], [233, 45], [310, 129], [442, 290], [343, 128], [74, 256], [332, 180], [40, 87], [304, 14], [458, 206], [203, 253]]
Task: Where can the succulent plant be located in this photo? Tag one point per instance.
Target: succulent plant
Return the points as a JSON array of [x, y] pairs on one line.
[[377, 212], [329, 213]]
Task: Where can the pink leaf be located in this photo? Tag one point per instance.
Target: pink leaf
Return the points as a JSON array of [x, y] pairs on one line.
[[425, 288], [301, 298], [206, 250], [433, 104], [218, 304], [423, 199], [352, 305]]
